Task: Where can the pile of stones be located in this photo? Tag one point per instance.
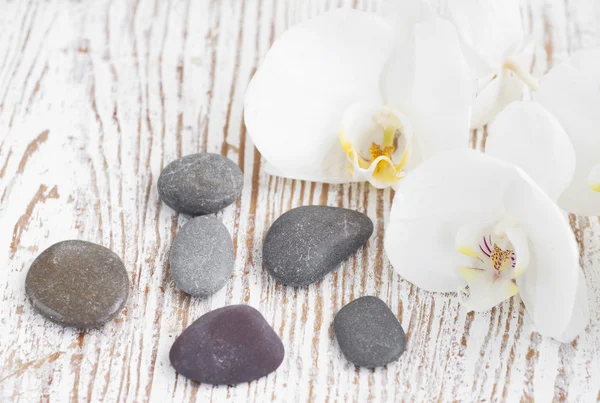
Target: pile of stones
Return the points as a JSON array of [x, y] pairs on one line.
[[84, 285]]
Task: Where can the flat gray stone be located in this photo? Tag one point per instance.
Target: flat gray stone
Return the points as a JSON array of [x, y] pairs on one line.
[[368, 332], [306, 243], [202, 257], [200, 184], [227, 346], [77, 283]]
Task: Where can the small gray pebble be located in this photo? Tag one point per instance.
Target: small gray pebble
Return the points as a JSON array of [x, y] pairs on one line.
[[306, 243], [200, 184], [77, 283], [202, 257], [368, 332]]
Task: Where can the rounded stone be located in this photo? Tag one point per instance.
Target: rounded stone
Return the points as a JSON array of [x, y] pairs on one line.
[[77, 283], [227, 346], [306, 243], [368, 333], [200, 184], [201, 258]]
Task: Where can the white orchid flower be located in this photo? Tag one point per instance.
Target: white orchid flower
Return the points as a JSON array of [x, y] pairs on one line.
[[495, 47], [470, 222], [341, 98], [556, 139]]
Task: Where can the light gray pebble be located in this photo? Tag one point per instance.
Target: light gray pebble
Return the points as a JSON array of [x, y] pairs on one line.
[[368, 333], [201, 258], [200, 184], [306, 243]]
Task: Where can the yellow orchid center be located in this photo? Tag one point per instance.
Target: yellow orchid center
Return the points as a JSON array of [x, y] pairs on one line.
[[377, 150], [500, 257]]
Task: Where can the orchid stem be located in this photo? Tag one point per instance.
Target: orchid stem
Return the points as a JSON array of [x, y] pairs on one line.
[[524, 75]]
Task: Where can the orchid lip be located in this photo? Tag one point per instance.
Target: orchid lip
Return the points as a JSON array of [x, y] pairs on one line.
[[490, 275]]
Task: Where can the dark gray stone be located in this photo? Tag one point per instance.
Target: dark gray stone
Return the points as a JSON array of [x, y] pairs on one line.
[[77, 283], [306, 243], [202, 257], [368, 332], [227, 346], [200, 184]]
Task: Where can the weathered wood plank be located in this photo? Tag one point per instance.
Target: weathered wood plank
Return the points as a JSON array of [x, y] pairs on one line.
[[96, 97]]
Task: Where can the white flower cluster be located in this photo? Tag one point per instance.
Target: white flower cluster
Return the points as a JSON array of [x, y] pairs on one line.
[[390, 99]]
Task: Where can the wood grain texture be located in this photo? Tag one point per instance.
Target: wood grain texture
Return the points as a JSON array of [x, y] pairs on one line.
[[96, 97]]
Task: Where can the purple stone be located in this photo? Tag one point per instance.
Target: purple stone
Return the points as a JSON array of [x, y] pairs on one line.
[[227, 346]]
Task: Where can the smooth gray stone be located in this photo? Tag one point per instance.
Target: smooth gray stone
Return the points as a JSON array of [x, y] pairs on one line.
[[368, 332], [306, 243], [77, 283], [202, 257], [227, 346], [200, 184]]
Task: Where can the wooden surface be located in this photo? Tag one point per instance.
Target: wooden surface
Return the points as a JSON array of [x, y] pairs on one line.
[[97, 96]]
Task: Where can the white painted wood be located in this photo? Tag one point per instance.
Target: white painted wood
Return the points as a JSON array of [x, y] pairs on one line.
[[97, 96]]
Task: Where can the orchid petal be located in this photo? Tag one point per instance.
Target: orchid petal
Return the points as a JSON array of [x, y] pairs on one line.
[[550, 285], [593, 179], [403, 15], [295, 101], [399, 73], [571, 93], [441, 98], [494, 97], [422, 251], [581, 312], [490, 31], [313, 176], [528, 136]]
